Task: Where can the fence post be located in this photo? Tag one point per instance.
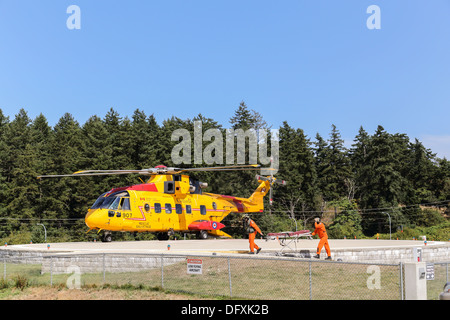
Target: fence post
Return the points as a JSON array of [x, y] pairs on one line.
[[162, 271], [229, 277], [310, 279], [447, 273], [401, 281], [4, 268], [415, 281], [51, 271], [104, 268]]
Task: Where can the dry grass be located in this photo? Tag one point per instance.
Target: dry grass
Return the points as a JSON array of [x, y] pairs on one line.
[[59, 293]]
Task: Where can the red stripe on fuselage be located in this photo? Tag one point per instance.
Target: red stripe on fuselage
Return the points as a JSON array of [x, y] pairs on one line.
[[144, 187]]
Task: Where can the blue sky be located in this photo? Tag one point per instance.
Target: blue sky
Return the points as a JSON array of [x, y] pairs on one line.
[[311, 63]]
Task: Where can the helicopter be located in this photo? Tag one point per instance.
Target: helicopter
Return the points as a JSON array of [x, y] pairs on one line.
[[170, 201]]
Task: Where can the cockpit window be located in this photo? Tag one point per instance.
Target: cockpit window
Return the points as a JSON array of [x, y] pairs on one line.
[[98, 203], [115, 204], [111, 202]]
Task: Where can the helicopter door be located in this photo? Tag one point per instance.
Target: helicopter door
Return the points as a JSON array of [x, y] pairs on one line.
[[123, 211]]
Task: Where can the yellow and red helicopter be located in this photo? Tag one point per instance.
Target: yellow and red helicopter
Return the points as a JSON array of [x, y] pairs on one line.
[[170, 201]]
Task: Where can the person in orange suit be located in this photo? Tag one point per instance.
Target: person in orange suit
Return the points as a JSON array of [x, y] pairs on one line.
[[322, 233], [252, 229]]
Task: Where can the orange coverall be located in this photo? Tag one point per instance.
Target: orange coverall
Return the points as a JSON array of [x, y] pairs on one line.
[[322, 233], [251, 236]]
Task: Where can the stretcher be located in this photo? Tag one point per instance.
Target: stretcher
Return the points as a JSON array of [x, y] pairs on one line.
[[288, 239]]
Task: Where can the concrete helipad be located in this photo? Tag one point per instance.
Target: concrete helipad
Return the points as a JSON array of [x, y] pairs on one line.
[[345, 250], [214, 245]]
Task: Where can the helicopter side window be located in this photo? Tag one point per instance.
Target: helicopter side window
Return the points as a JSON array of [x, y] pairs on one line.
[[178, 208], [157, 207], [115, 204], [125, 204], [188, 208], [202, 210], [168, 208]]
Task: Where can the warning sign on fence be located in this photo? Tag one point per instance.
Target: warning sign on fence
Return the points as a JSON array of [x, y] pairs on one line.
[[194, 266]]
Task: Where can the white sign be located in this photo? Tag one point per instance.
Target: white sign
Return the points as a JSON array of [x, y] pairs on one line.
[[194, 266], [430, 271]]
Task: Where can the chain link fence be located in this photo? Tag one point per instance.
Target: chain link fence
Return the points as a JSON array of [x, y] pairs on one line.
[[241, 277], [440, 276]]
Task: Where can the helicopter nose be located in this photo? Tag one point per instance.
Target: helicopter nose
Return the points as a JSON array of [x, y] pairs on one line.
[[91, 219]]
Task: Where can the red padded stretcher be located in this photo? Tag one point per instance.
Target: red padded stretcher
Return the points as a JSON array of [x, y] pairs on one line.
[[289, 238]]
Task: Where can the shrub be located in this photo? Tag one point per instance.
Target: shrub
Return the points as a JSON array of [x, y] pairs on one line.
[[21, 282]]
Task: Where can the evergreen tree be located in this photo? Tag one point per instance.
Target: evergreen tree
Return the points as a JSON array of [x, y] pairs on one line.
[[333, 166], [98, 155], [66, 148], [297, 165], [382, 170], [339, 170], [154, 144], [243, 118], [140, 140], [120, 140], [4, 122], [358, 156], [166, 145], [420, 173], [213, 153], [19, 161], [383, 185], [40, 156], [321, 155], [248, 123], [441, 180]]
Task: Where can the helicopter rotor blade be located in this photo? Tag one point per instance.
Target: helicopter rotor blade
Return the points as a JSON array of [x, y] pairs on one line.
[[80, 174], [153, 171], [223, 168], [106, 172]]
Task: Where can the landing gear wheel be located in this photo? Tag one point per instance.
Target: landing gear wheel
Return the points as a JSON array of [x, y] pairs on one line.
[[107, 237], [203, 234]]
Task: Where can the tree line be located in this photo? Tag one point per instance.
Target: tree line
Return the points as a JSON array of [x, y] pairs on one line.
[[351, 188]]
